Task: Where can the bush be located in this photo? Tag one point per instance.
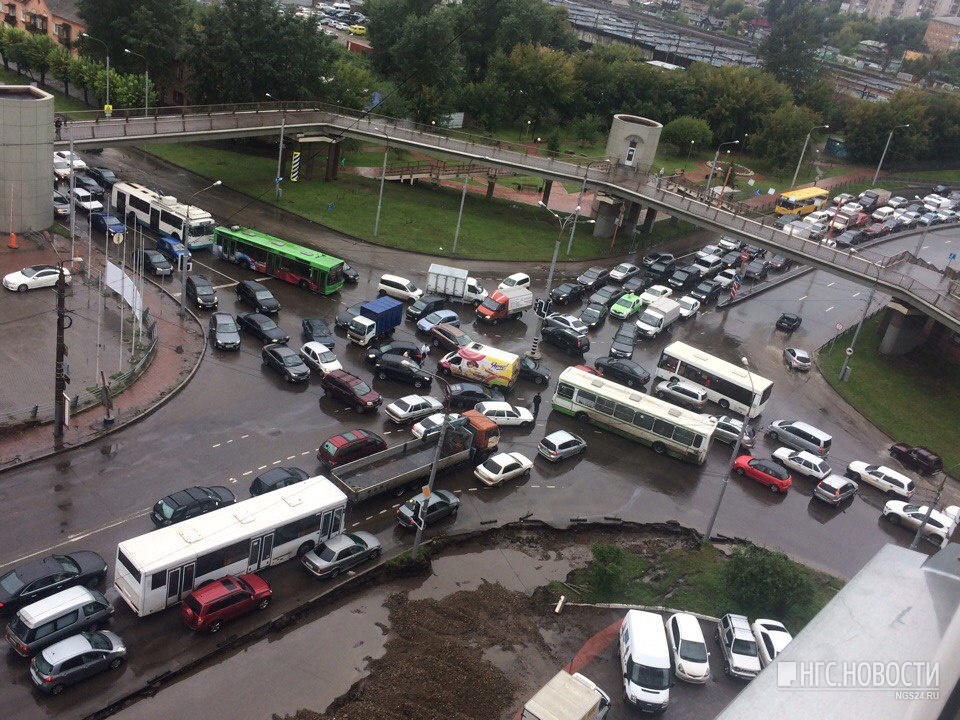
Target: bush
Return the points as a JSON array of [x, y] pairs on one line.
[[684, 129], [767, 584], [606, 576]]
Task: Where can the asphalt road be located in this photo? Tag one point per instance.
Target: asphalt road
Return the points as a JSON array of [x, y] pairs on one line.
[[237, 418]]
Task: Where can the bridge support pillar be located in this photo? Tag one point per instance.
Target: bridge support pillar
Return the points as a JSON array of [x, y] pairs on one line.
[[547, 188], [906, 330], [491, 186], [630, 218], [332, 170], [648, 220]]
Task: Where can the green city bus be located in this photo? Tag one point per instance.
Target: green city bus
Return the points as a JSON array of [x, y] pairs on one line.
[[310, 269]]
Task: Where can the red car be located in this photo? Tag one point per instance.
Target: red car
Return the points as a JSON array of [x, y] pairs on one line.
[[349, 389], [350, 446], [210, 605], [876, 230], [768, 472], [588, 369]]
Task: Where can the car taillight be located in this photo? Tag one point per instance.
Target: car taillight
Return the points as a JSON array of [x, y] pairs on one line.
[[23, 648]]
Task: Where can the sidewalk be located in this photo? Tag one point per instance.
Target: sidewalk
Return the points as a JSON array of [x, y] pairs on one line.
[[180, 348]]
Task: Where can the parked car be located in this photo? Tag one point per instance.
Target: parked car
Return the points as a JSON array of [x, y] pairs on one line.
[[318, 331], [252, 293], [172, 249], [395, 347], [782, 221], [106, 223], [350, 390], [449, 337], [531, 369], [729, 244], [223, 331], [75, 160], [560, 445], [504, 414], [728, 431], [788, 322], [655, 257], [803, 462], [423, 306], [622, 371], [726, 277], [732, 259], [36, 579], [918, 458], [106, 177], [797, 359], [276, 478], [766, 472], [402, 369], [565, 321], [654, 292], [834, 489], [35, 276], [520, 280], [691, 661], [319, 357], [772, 637], [756, 270], [346, 315], [939, 526], [285, 361], [189, 503], [208, 607], [741, 657], [594, 315], [261, 327], [684, 278], [624, 271], [659, 273], [340, 553], [570, 341], [350, 275], [707, 291], [800, 435], [399, 288], [61, 205], [626, 306], [635, 285], [442, 504], [594, 278], [501, 467], [411, 408], [624, 340], [76, 658], [567, 293], [607, 295], [849, 238], [431, 425], [429, 322], [681, 392], [90, 185], [881, 477], [469, 394], [200, 292], [61, 171], [689, 307]]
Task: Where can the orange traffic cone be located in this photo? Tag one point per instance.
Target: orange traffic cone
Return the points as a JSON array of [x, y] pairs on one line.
[[13, 240]]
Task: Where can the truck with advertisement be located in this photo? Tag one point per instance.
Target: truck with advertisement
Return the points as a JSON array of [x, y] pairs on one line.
[[377, 320], [506, 304], [483, 364], [454, 284], [567, 697], [658, 316], [401, 468]]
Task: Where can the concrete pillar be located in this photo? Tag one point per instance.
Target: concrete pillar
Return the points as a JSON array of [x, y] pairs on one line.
[[607, 209], [547, 187], [332, 170], [906, 330], [491, 185], [630, 217], [26, 159], [648, 220]]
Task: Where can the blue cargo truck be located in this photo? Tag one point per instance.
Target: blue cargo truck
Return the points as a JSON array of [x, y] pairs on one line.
[[376, 321]]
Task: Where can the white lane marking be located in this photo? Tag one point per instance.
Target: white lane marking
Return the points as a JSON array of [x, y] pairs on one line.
[[217, 445], [383, 511], [248, 472], [233, 480], [803, 298], [229, 441], [856, 294], [535, 487], [264, 279], [551, 487], [946, 242], [277, 462], [830, 308], [305, 452], [244, 437], [291, 457], [262, 467], [356, 524], [831, 284]]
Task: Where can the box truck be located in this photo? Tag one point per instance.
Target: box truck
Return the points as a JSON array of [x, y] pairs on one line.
[[376, 321], [658, 316], [482, 364], [507, 304], [567, 697], [454, 283]]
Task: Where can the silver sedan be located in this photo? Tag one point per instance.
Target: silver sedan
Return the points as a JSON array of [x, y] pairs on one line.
[[340, 553]]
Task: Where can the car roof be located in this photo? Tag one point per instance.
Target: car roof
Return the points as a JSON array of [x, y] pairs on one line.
[[216, 589], [561, 436], [836, 481], [67, 649], [689, 626], [185, 496], [38, 569], [339, 542]]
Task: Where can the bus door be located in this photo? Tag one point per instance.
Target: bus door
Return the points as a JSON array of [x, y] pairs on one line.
[[179, 583], [155, 219], [261, 552]]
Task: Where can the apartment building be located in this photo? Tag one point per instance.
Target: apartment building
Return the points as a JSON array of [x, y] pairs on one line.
[[60, 19]]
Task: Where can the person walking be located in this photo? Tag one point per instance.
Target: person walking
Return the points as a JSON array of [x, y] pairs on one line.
[[536, 405], [57, 124], [425, 350]]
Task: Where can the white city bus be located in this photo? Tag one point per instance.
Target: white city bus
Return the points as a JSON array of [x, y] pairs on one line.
[[156, 570], [135, 203], [666, 428], [731, 386]]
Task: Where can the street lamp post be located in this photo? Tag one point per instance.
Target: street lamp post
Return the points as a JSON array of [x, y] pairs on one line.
[[733, 457], [433, 467], [885, 148], [183, 258], [716, 159], [283, 127], [146, 80], [383, 176], [793, 183], [107, 50], [689, 150], [856, 333], [923, 235]]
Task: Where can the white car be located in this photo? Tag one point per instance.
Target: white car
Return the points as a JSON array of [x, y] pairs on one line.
[[691, 661], [897, 201], [503, 413], [412, 407], [940, 524], [431, 425], [726, 277], [565, 321], [818, 216], [709, 251], [772, 637], [34, 276], [61, 169], [803, 462], [85, 201], [653, 292], [842, 199], [71, 158], [517, 280], [502, 467], [881, 477], [319, 357], [852, 209], [689, 307], [623, 272]]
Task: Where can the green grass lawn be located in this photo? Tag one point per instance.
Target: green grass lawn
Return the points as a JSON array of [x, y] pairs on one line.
[[914, 398], [935, 176], [61, 102], [421, 218]]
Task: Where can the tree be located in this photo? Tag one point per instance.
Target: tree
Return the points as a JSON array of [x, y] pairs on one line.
[[683, 131], [789, 51], [782, 134], [586, 129], [60, 61], [36, 55], [429, 54], [869, 125], [539, 82], [766, 584]]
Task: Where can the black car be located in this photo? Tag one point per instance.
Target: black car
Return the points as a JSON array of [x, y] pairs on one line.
[[732, 259], [185, 504], [594, 278], [469, 394], [788, 322], [37, 579], [567, 293], [849, 238], [756, 270], [570, 341], [344, 317], [660, 270], [200, 292], [637, 285], [88, 184], [783, 220], [61, 206], [402, 369], [607, 295], [285, 361], [153, 262], [684, 278], [350, 276], [423, 306], [894, 224], [622, 371], [531, 369], [707, 291], [395, 347], [594, 315], [262, 328], [317, 330], [276, 478], [753, 252], [655, 257], [257, 296], [224, 332], [624, 341], [106, 177], [779, 263]]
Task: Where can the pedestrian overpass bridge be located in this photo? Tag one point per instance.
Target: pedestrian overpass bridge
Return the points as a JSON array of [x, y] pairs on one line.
[[940, 300]]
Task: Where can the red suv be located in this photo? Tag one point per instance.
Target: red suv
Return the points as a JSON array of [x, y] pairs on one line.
[[350, 446], [210, 605], [350, 389]]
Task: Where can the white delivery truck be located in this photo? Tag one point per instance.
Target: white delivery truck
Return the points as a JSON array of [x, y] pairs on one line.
[[506, 304], [454, 283], [658, 316], [567, 697]]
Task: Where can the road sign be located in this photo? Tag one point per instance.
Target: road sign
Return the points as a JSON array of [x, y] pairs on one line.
[[118, 238], [849, 352], [839, 327], [952, 256]]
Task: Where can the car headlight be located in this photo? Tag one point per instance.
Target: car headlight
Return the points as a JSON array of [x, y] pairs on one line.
[[369, 403], [680, 667]]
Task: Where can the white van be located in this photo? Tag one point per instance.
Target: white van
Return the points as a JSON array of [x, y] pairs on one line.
[[342, 6], [645, 661], [883, 214], [399, 288]]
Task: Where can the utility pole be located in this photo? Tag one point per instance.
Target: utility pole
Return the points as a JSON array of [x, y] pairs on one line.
[[61, 378]]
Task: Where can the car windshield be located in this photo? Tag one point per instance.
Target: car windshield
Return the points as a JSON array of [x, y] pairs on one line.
[[292, 360], [326, 554], [226, 326], [745, 647], [263, 295], [11, 583], [166, 509], [43, 667], [693, 651], [591, 313], [326, 357], [432, 318], [491, 304], [650, 677], [623, 267], [686, 304], [201, 228], [591, 274], [98, 641], [361, 388], [492, 466]]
